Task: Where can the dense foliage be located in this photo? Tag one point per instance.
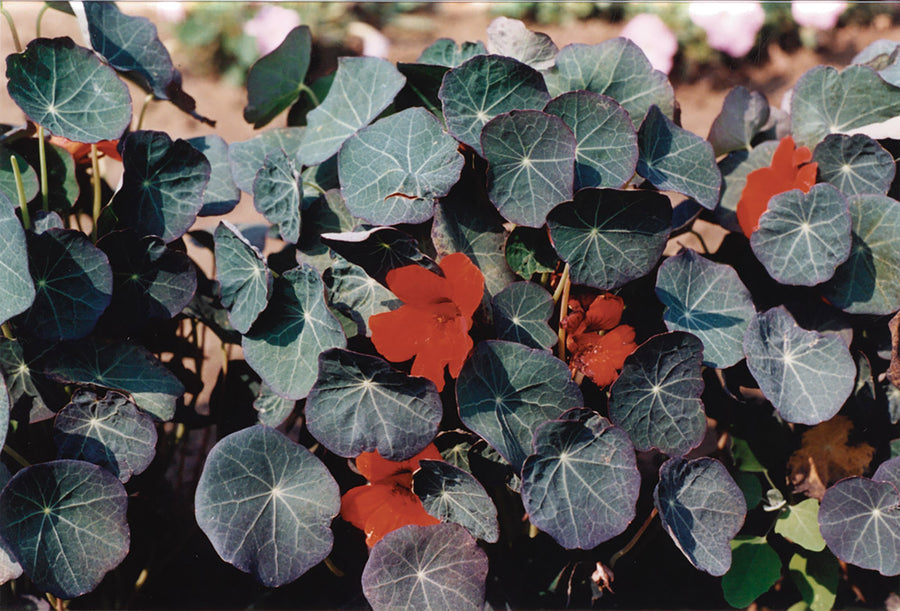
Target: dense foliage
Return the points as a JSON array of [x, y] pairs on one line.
[[492, 359]]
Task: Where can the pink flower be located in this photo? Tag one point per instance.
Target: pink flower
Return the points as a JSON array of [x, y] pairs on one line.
[[654, 38], [730, 27], [817, 15], [270, 26]]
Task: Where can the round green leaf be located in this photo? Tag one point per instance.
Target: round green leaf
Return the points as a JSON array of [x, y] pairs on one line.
[[826, 101], [266, 504], [735, 168], [606, 151], [245, 282], [162, 187], [362, 88], [8, 185], [506, 390], [521, 312], [806, 375], [277, 194], [610, 237], [616, 68], [800, 523], [394, 170], [274, 81], [68, 90], [656, 398], [108, 431], [454, 495], [29, 392], [74, 285], [360, 403], [755, 569], [483, 87], [221, 194], [674, 159], [247, 157], [16, 286], [430, 567], [445, 52], [356, 294], [744, 114], [581, 484], [284, 343], [64, 521], [803, 237], [119, 366], [709, 300], [855, 164], [701, 508]]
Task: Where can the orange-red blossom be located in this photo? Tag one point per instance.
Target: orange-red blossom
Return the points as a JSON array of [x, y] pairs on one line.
[[597, 342]]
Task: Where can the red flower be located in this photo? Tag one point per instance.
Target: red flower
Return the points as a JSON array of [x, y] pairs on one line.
[[790, 169], [433, 323], [598, 343], [387, 502], [81, 152]]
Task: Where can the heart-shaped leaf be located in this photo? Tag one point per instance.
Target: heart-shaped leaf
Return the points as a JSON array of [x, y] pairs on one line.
[[8, 184], [16, 286], [755, 568], [277, 194], [606, 151], [744, 114], [453, 495], [73, 283], [360, 403], [356, 294], [855, 164], [483, 87], [394, 170], [68, 90], [701, 508], [275, 80], [709, 300], [800, 524], [581, 484], [362, 88], [521, 312], [610, 237], [266, 504], [432, 567], [674, 159], [826, 101], [511, 38], [616, 68], [108, 431], [531, 161], [221, 194], [506, 390], [247, 157], [656, 398], [119, 366], [379, 250], [64, 521], [284, 344], [869, 281], [803, 237], [859, 520], [245, 282], [445, 52], [806, 375], [735, 168], [162, 187]]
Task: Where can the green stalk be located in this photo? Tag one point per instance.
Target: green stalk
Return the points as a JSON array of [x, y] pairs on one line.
[[16, 456], [12, 28], [42, 154], [20, 190], [95, 180], [40, 17], [7, 332], [149, 98], [304, 88]]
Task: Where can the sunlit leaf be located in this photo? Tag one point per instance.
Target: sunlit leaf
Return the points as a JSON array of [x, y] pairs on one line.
[[354, 293], [881, 56], [817, 577], [221, 194], [855, 164], [510, 37], [744, 114], [30, 394], [16, 286], [247, 157], [277, 193], [5, 407], [454, 495], [275, 80], [445, 52], [800, 524], [755, 568], [245, 282], [272, 408], [521, 312], [734, 168], [9, 567]]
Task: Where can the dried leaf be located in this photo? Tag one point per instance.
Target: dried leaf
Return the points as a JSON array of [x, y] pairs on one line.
[[893, 371], [825, 457]]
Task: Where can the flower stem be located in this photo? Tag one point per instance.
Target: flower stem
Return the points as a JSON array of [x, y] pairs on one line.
[[95, 180], [333, 567], [149, 98], [20, 191], [637, 536], [699, 237], [563, 311], [42, 154], [7, 332], [563, 279], [304, 88], [40, 17], [12, 28], [16, 456]]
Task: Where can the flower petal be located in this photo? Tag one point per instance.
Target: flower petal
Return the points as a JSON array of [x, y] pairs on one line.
[[415, 285], [467, 282], [381, 470], [397, 335], [605, 312], [601, 358], [446, 343]]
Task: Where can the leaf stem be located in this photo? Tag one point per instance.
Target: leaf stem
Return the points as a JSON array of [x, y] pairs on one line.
[[42, 155], [12, 28], [16, 456], [615, 557], [40, 17], [20, 191], [147, 99], [304, 88], [333, 567], [562, 280], [699, 237], [563, 311], [7, 332], [95, 180]]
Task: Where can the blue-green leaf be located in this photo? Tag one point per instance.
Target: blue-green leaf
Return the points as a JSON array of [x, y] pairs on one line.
[[521, 312], [272, 409], [506, 390], [68, 90], [378, 250], [9, 567], [16, 286], [709, 300], [656, 398], [803, 237], [744, 114], [735, 168], [881, 56], [806, 375], [531, 164], [445, 52], [275, 80], [431, 567], [356, 294], [245, 282], [855, 164], [674, 159], [454, 495], [221, 194], [483, 87], [277, 193], [581, 483], [510, 37], [5, 408], [8, 184], [360, 403], [247, 157], [284, 344], [394, 170], [64, 521], [108, 431], [362, 88], [326, 214], [610, 237], [606, 151], [701, 508], [266, 504]]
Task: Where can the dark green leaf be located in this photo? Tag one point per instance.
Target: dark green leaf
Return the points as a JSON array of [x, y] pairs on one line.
[[744, 114], [248, 157], [274, 81], [277, 194], [445, 52], [453, 495], [521, 312], [326, 214], [378, 250], [245, 282], [26, 385], [529, 252], [855, 164], [755, 569], [16, 286], [817, 577], [357, 295], [63, 189], [221, 194]]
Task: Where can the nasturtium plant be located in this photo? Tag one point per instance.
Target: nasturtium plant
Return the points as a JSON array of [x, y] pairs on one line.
[[482, 332]]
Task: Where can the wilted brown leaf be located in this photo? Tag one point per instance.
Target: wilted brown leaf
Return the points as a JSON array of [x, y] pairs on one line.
[[893, 371]]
